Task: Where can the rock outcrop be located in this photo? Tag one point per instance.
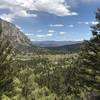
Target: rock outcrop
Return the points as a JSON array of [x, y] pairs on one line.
[[17, 38]]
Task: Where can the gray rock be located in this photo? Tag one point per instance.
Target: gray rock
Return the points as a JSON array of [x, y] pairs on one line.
[[17, 38]]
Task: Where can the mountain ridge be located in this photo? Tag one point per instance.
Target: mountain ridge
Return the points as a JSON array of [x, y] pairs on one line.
[[16, 37], [47, 44], [67, 48]]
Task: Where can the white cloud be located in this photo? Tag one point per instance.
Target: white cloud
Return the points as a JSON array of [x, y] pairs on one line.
[[89, 23], [24, 13], [71, 26], [7, 17], [62, 33], [56, 25], [44, 35], [21, 8], [29, 34], [32, 39], [40, 36], [57, 7], [17, 8], [94, 22], [10, 17], [49, 34], [51, 31], [19, 28]]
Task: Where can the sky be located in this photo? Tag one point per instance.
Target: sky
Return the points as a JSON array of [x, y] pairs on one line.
[[51, 20]]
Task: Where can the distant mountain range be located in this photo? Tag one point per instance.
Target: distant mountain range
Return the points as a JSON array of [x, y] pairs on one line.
[[47, 44], [66, 48], [59, 46]]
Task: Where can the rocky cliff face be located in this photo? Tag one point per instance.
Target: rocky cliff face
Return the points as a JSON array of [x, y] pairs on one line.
[[15, 36]]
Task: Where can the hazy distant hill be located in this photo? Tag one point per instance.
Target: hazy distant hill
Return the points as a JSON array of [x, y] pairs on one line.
[[67, 48], [54, 43], [59, 46]]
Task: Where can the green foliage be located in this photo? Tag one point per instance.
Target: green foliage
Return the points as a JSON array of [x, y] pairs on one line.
[[42, 77], [90, 59], [6, 69], [85, 73]]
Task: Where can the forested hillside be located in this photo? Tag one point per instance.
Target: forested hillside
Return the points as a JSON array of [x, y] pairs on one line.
[[67, 48]]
